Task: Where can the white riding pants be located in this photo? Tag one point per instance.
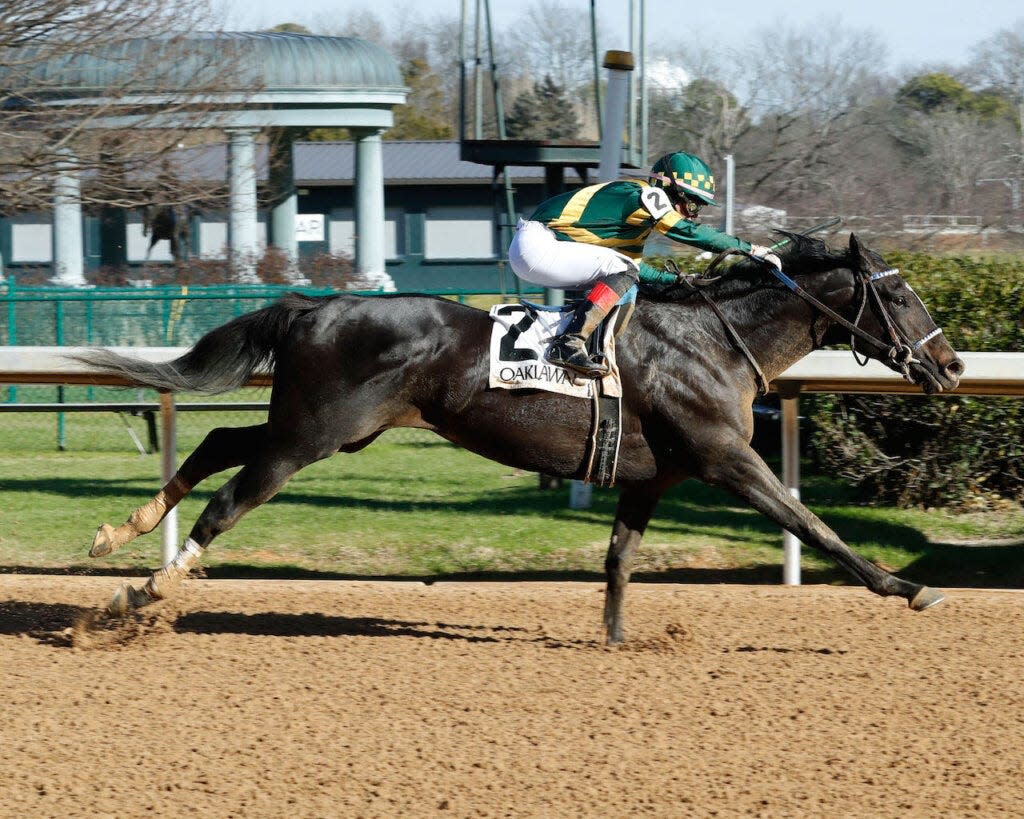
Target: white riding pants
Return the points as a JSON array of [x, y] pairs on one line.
[[538, 257]]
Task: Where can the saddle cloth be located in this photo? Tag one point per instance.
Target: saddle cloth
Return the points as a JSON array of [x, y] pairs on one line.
[[519, 338]]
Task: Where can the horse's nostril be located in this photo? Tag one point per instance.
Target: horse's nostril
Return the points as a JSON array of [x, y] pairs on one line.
[[955, 368]]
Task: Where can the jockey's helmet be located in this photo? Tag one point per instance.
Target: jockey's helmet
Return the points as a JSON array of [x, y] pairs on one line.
[[685, 175]]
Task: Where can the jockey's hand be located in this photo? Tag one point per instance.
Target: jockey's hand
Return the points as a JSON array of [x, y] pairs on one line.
[[765, 254]]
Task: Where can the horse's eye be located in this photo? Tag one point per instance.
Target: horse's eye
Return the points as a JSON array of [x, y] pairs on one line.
[[899, 301]]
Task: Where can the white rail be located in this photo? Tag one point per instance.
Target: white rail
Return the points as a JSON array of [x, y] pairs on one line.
[[835, 371]]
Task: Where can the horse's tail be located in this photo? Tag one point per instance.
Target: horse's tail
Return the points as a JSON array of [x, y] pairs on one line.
[[221, 360]]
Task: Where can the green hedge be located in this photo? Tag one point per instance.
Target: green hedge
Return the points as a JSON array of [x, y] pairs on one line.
[[953, 451]]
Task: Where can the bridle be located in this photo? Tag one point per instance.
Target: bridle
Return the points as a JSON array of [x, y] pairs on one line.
[[898, 350]]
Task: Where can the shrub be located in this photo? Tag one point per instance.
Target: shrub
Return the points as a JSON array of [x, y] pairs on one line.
[[955, 451]]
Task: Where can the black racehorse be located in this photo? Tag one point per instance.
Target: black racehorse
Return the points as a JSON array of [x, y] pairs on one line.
[[346, 368]]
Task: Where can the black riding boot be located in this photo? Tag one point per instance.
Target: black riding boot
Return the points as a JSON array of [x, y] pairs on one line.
[[569, 349]]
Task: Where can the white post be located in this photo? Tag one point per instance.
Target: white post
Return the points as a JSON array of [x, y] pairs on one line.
[[168, 469], [791, 478], [619, 65], [243, 224], [68, 250], [730, 193]]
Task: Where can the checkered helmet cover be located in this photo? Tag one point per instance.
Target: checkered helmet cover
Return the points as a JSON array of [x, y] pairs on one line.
[[685, 173]]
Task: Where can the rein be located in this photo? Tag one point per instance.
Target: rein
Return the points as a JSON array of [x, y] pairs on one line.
[[695, 285], [897, 350]]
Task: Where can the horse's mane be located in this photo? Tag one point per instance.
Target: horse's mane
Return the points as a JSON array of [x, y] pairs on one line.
[[803, 255]]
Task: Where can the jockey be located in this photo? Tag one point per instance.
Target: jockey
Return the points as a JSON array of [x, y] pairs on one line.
[[594, 238]]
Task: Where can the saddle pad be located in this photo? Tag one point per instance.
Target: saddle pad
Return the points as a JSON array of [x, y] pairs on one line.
[[522, 333]]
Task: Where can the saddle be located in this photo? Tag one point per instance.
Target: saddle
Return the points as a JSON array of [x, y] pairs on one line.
[[519, 338]]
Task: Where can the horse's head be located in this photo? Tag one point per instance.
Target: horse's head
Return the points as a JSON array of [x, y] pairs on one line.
[[902, 333]]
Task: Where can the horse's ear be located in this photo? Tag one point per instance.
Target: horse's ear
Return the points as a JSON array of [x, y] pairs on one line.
[[856, 251]]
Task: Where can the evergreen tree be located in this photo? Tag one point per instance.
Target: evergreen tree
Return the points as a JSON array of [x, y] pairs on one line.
[[544, 112]]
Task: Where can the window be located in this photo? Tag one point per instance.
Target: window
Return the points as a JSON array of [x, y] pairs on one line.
[[342, 233], [213, 238], [31, 239], [459, 233]]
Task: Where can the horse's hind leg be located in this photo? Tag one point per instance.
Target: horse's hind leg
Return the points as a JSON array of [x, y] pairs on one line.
[[221, 449], [631, 517], [254, 484]]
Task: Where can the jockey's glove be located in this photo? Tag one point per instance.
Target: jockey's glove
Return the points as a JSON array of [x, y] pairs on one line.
[[765, 254]]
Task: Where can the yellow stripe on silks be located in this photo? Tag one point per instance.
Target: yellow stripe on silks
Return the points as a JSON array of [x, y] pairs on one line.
[[668, 221], [584, 236], [574, 208], [638, 217]]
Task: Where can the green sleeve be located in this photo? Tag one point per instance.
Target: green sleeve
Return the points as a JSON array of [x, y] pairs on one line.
[[701, 236], [651, 275]]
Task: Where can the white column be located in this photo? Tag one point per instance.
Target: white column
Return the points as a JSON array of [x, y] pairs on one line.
[[285, 198], [369, 202], [243, 225], [68, 250]]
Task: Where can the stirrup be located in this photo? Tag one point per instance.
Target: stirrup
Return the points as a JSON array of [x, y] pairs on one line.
[[564, 353]]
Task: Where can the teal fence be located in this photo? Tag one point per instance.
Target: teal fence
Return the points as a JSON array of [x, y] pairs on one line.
[[171, 315]]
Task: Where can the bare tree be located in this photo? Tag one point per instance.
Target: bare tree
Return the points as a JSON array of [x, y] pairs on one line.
[[956, 149], [106, 92], [999, 60], [427, 52], [804, 86], [550, 38], [703, 117]]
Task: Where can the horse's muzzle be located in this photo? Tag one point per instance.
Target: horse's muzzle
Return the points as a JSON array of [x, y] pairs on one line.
[[934, 378]]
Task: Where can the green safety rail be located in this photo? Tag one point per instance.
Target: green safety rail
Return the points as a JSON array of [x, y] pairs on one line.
[[166, 315]]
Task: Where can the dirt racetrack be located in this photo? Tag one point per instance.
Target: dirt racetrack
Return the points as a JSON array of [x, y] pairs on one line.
[[324, 699]]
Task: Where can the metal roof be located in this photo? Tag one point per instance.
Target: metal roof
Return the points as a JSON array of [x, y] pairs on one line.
[[322, 164], [412, 162], [272, 62]]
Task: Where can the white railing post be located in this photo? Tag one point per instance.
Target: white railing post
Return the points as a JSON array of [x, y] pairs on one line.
[[791, 480], [168, 468]]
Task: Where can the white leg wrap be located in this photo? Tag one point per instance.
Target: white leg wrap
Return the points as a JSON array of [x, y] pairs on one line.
[[162, 581], [148, 516]]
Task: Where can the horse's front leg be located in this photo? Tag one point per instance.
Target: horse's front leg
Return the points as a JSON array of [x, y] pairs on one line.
[[221, 449], [741, 471], [636, 505]]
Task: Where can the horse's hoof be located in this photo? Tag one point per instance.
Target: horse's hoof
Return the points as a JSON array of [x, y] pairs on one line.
[[126, 599], [103, 543], [926, 598]]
